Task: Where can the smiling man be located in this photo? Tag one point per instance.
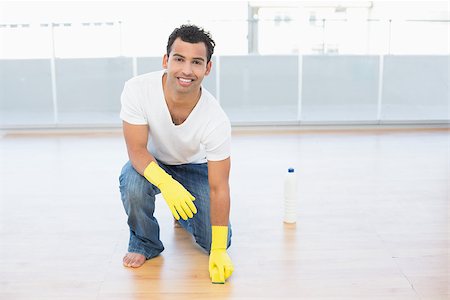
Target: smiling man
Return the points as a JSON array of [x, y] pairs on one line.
[[178, 140]]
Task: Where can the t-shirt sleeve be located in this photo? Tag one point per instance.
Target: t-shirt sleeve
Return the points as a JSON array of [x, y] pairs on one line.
[[218, 142], [131, 110]]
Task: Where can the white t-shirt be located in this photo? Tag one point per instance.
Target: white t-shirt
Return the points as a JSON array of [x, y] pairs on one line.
[[204, 135]]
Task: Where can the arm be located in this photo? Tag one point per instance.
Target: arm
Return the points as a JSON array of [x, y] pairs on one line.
[[176, 196], [220, 265], [136, 138], [218, 177]]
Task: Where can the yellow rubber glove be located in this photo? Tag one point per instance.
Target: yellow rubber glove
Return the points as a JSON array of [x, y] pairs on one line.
[[220, 265], [177, 197]]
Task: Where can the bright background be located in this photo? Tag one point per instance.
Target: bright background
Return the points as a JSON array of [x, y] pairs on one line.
[[63, 63]]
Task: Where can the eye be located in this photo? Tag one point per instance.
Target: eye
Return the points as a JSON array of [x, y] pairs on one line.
[[178, 59], [198, 62]]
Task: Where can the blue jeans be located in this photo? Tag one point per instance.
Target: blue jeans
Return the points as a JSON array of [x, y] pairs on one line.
[[138, 197]]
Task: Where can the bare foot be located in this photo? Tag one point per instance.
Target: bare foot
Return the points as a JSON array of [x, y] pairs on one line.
[[133, 260]]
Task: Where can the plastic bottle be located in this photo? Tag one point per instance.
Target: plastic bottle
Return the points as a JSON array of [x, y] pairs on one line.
[[290, 196]]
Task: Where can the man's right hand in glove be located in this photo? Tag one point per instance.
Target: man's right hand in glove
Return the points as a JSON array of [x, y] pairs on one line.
[[179, 200]]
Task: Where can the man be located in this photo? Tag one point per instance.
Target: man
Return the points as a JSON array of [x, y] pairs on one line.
[[178, 142]]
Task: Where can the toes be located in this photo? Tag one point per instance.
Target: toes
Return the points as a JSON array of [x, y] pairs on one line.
[[133, 260], [137, 262], [126, 261]]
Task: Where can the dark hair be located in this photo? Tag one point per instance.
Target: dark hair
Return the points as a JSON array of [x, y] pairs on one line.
[[192, 34]]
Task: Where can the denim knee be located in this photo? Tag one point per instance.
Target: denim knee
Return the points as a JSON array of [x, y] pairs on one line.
[[136, 191], [138, 197]]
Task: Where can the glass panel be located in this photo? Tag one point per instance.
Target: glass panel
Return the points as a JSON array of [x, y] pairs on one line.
[[148, 64], [259, 88], [339, 88], [25, 92], [89, 90], [210, 81], [416, 88]]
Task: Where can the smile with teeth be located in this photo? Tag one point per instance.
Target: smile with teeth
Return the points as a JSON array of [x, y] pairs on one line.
[[185, 81]]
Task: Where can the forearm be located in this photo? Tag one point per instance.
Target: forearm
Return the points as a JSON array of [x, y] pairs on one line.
[[220, 265], [136, 138], [220, 205], [140, 159]]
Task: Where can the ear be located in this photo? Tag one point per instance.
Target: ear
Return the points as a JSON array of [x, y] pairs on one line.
[[164, 61], [208, 67]]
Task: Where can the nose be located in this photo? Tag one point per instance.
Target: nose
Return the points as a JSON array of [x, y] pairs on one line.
[[187, 68]]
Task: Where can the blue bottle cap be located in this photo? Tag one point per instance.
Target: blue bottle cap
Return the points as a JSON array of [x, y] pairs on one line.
[[291, 170]]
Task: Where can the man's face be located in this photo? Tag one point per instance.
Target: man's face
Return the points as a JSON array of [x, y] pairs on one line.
[[186, 66]]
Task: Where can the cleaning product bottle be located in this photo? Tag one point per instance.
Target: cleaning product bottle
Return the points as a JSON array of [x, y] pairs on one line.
[[290, 196]]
